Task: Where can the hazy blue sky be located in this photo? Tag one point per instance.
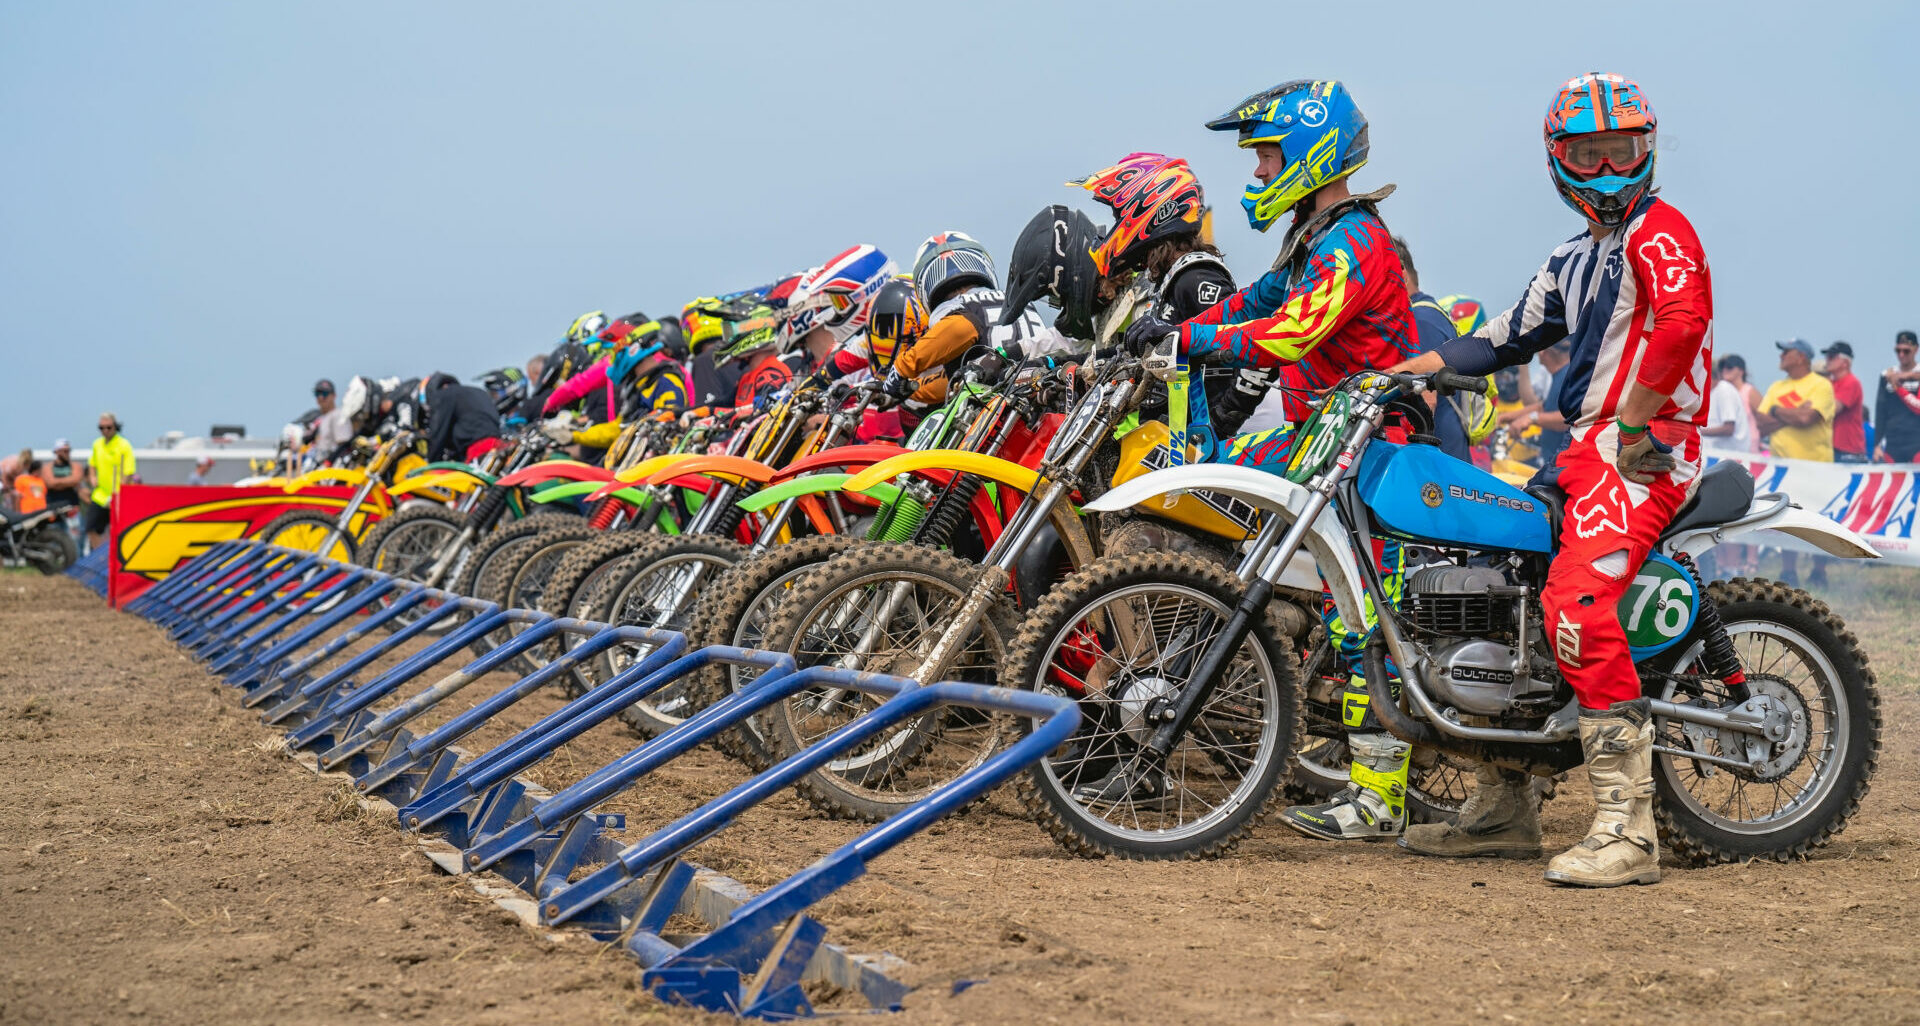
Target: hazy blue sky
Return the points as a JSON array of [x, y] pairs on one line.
[[205, 206]]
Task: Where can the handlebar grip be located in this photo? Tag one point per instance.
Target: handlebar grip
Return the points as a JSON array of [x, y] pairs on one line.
[[1447, 379]]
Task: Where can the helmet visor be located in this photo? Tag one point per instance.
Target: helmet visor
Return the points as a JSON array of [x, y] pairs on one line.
[[1589, 153]]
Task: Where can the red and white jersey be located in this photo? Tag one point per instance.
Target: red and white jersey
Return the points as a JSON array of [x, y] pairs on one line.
[[1637, 305]]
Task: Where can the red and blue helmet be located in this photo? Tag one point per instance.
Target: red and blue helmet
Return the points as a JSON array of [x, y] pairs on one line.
[[1321, 134], [1600, 136], [838, 294]]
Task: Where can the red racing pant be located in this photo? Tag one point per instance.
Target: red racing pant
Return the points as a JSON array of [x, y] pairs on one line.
[[1611, 524]]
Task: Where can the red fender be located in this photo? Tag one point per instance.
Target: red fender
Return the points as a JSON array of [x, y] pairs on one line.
[[699, 466], [842, 456], [556, 470]]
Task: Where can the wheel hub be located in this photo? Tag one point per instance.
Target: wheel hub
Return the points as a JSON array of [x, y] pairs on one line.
[[1141, 704], [1779, 751]]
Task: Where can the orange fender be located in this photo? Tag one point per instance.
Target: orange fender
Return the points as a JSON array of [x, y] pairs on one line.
[[841, 456]]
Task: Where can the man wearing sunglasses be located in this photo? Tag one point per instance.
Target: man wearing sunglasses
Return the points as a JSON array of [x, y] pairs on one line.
[[1633, 296], [335, 428], [109, 466]]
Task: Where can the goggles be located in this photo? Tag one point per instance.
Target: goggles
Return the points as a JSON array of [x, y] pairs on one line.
[[1586, 154]]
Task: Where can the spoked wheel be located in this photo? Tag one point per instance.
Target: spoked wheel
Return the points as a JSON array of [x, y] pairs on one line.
[[485, 574], [526, 582], [1120, 637], [881, 608], [307, 530], [658, 586], [1785, 796], [578, 588], [407, 545], [736, 610]]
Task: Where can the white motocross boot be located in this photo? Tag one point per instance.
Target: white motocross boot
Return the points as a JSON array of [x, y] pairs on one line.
[[1623, 845]]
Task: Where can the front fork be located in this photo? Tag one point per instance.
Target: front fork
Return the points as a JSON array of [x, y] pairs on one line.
[[340, 531]]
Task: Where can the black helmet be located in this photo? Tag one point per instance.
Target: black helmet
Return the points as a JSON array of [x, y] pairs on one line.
[[566, 360], [1053, 260], [673, 338]]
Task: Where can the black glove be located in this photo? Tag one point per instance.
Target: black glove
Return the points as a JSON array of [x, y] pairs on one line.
[[988, 368], [1145, 332], [897, 386]]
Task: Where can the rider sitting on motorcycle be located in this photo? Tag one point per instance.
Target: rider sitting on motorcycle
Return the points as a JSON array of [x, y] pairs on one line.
[[1633, 295], [1333, 303], [636, 377], [462, 423], [955, 278]]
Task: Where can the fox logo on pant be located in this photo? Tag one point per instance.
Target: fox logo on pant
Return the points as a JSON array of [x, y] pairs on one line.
[[1566, 642], [1600, 513]]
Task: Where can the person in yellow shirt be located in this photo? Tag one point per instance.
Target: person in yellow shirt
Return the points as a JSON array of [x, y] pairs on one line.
[[109, 467], [1798, 410]]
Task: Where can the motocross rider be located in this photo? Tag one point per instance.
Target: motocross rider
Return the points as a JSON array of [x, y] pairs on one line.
[[1334, 303], [462, 423], [635, 378], [1633, 295], [966, 309]]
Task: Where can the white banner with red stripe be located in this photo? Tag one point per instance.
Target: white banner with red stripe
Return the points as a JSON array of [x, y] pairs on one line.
[[1874, 500]]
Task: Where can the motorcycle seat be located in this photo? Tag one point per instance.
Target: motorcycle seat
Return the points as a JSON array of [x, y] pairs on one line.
[[1553, 502], [1725, 493]]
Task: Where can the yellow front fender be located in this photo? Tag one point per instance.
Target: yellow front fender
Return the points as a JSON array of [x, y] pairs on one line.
[[452, 480], [993, 468], [652, 465], [352, 477]]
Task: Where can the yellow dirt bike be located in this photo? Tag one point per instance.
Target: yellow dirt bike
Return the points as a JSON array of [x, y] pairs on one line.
[[337, 534]]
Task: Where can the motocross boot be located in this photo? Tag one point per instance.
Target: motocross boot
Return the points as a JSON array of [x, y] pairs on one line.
[[1500, 820], [1373, 805], [1623, 845]]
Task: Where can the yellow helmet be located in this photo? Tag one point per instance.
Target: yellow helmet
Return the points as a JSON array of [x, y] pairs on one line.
[[1466, 312], [701, 322]]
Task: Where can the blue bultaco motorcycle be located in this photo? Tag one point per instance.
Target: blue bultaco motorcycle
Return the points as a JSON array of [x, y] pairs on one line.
[[1767, 719]]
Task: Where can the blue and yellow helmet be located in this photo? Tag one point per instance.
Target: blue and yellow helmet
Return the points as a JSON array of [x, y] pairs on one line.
[[1321, 134]]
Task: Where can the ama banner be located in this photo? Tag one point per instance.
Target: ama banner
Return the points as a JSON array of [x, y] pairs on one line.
[[1874, 500], [157, 527]]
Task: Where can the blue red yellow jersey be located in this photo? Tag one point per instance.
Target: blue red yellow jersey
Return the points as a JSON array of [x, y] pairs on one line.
[[1341, 309]]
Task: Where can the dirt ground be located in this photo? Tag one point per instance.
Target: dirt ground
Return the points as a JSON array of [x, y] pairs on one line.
[[163, 862]]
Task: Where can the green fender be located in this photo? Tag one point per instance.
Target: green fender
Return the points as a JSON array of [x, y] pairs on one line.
[[569, 489], [812, 484], [464, 468]]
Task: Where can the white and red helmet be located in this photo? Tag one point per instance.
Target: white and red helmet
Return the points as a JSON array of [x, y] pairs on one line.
[[837, 295]]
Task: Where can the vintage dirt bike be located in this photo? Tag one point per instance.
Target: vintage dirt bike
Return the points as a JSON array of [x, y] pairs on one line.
[[38, 540], [430, 542], [337, 535], [653, 579], [933, 506], [1767, 718], [920, 612]]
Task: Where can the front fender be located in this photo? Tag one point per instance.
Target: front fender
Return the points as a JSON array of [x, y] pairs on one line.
[[737, 469], [454, 466], [1326, 542], [556, 470], [351, 477], [1776, 513], [451, 480], [993, 468], [812, 484], [839, 456]]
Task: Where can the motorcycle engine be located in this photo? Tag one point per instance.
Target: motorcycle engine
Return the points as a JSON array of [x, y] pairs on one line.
[[1479, 652]]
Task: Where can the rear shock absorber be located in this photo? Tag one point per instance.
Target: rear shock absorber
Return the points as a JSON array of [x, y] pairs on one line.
[[1717, 653], [604, 512], [898, 520], [487, 509], [729, 517], [948, 511]]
